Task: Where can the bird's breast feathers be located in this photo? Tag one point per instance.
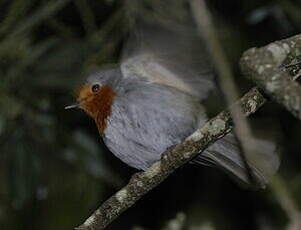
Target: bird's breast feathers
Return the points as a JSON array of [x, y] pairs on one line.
[[148, 119]]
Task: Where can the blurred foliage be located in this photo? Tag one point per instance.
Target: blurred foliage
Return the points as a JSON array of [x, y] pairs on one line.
[[54, 170]]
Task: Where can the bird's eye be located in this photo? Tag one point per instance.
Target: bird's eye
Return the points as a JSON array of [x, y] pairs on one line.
[[95, 88]]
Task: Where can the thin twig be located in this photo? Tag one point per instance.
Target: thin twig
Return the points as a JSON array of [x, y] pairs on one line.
[[287, 203], [242, 129]]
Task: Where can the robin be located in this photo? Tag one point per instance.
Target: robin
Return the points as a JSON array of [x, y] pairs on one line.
[[153, 100]]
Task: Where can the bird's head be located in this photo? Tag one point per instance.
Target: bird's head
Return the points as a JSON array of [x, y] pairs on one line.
[[96, 96]]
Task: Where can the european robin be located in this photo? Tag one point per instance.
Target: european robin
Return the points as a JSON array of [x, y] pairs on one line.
[[153, 100]]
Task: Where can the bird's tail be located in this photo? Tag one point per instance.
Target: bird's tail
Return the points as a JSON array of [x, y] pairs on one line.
[[263, 161]]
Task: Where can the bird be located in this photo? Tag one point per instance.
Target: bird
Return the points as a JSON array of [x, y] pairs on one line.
[[154, 99]]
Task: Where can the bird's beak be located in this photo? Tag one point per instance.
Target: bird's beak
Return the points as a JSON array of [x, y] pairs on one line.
[[75, 105]]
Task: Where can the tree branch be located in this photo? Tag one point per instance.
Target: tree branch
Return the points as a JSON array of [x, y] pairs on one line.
[[263, 66], [142, 183]]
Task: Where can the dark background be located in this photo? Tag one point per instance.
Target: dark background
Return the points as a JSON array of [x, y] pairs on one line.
[[54, 168]]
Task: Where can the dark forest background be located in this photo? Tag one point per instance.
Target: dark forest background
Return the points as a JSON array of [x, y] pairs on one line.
[[54, 168]]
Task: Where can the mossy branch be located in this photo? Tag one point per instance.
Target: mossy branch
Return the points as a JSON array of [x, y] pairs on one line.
[[267, 67]]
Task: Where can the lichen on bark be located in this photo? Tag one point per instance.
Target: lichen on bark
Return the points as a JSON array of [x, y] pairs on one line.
[[270, 67]]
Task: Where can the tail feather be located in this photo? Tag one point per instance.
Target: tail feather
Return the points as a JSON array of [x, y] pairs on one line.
[[263, 160]]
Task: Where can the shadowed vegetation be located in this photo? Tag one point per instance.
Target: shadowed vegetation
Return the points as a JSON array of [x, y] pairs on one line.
[[54, 169]]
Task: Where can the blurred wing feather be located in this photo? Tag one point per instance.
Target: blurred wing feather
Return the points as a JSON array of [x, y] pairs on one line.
[[172, 58]]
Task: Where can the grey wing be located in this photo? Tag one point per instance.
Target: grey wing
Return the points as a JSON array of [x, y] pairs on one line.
[[174, 58], [145, 122], [225, 154]]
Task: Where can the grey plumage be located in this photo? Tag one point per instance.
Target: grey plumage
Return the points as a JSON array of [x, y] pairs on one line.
[[147, 118], [176, 58]]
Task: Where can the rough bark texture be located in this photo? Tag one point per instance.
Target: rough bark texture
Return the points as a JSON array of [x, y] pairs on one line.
[[266, 67], [143, 182]]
